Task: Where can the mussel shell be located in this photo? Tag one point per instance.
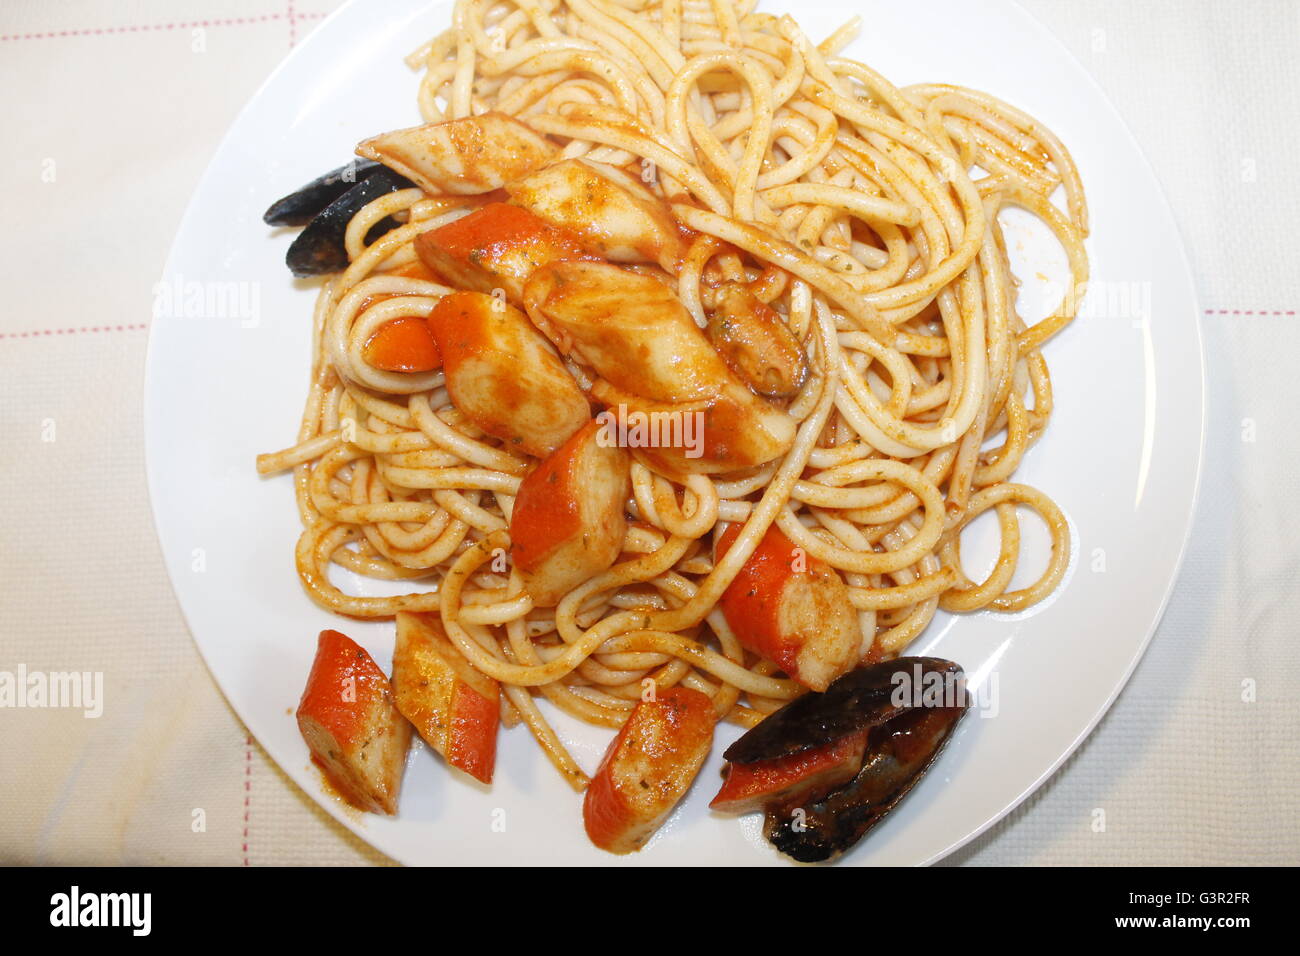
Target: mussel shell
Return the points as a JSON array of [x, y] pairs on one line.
[[320, 249], [827, 825], [302, 205], [862, 698]]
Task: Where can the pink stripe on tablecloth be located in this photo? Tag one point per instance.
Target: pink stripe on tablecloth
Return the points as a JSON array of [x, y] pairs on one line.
[[290, 15], [40, 333], [248, 789]]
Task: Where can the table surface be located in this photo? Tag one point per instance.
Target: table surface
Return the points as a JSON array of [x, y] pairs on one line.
[[112, 114]]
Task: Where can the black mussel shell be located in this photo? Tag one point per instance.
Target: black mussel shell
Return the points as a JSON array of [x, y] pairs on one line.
[[898, 754], [319, 248], [862, 698], [302, 205]]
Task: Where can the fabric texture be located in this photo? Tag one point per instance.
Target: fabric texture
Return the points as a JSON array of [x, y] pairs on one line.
[[1195, 763]]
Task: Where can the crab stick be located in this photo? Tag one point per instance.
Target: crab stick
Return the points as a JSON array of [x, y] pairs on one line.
[[648, 768], [496, 247], [503, 376], [569, 520], [783, 781], [612, 214], [453, 707], [352, 725], [791, 609], [636, 335], [403, 345]]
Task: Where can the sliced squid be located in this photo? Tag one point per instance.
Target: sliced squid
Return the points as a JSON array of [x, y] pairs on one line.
[[502, 374], [613, 214], [462, 157], [568, 521]]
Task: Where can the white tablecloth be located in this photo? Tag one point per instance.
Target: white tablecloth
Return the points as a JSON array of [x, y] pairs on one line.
[[110, 115]]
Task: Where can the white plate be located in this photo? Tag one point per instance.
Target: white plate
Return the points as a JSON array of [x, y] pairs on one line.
[[1122, 455]]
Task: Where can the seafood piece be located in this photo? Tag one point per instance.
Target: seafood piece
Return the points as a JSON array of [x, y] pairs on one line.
[[403, 345], [756, 344], [503, 376], [785, 781], [725, 432], [908, 709], [303, 204], [462, 157], [352, 725], [792, 609], [320, 249], [648, 768], [568, 521], [632, 330], [496, 247], [453, 707], [897, 757], [612, 214]]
